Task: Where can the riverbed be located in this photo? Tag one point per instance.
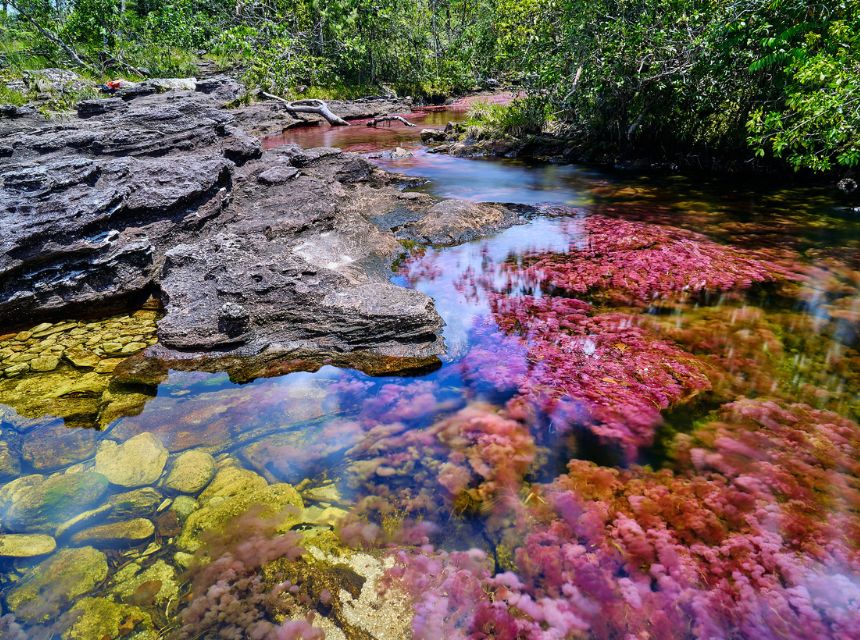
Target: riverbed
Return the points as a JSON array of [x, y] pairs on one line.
[[643, 425]]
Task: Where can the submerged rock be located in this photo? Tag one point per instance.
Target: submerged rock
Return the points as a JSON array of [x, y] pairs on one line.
[[136, 462], [42, 504], [22, 545], [116, 533], [155, 584], [119, 507], [48, 588], [457, 221], [232, 492], [97, 618], [10, 464], [191, 472], [53, 446]]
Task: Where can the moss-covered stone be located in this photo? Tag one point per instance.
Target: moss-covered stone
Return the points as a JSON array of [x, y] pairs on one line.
[[45, 504], [136, 462], [191, 472], [98, 618], [51, 585], [234, 491], [155, 584], [127, 532], [24, 545]]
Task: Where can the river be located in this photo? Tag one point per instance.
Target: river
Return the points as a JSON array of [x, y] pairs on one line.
[[644, 426]]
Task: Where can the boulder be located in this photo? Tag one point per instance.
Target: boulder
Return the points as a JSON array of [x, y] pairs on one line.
[[239, 147], [43, 504], [433, 135], [136, 462]]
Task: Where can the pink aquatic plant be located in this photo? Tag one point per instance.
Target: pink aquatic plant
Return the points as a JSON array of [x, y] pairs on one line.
[[602, 372], [229, 597], [756, 536], [631, 262], [470, 458]]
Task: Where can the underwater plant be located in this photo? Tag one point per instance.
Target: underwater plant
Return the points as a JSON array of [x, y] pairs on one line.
[[230, 598], [737, 543], [631, 262], [599, 372]]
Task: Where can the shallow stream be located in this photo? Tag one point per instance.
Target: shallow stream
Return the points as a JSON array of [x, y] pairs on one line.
[[645, 424]]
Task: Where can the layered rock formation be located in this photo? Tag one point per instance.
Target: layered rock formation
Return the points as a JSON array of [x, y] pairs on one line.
[[269, 255]]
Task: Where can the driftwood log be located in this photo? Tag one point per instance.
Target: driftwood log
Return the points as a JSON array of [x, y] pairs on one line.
[[381, 119], [309, 106]]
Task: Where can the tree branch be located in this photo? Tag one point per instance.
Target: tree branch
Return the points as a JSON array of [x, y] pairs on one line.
[[381, 119], [52, 37], [309, 106]]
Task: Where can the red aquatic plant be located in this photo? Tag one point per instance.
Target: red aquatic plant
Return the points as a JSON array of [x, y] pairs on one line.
[[602, 372], [755, 536], [230, 598], [633, 262], [470, 458]]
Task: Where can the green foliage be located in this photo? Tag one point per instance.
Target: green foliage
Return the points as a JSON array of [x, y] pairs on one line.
[[817, 124], [521, 118], [776, 79]]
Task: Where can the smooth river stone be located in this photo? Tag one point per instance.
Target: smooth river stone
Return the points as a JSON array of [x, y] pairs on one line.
[[44, 504], [48, 588], [134, 463], [191, 472], [128, 532], [25, 545], [54, 446]]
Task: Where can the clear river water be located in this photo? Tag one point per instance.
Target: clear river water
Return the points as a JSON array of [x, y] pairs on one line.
[[644, 426]]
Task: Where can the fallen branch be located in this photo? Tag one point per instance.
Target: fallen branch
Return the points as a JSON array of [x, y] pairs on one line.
[[382, 119], [52, 37], [309, 106]]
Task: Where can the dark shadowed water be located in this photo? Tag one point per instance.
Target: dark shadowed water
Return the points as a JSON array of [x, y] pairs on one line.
[[707, 330]]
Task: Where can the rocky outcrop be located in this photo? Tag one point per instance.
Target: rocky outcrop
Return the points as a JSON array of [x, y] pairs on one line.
[[254, 255]]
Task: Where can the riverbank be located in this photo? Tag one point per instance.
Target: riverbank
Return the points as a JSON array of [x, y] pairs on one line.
[[469, 140]]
